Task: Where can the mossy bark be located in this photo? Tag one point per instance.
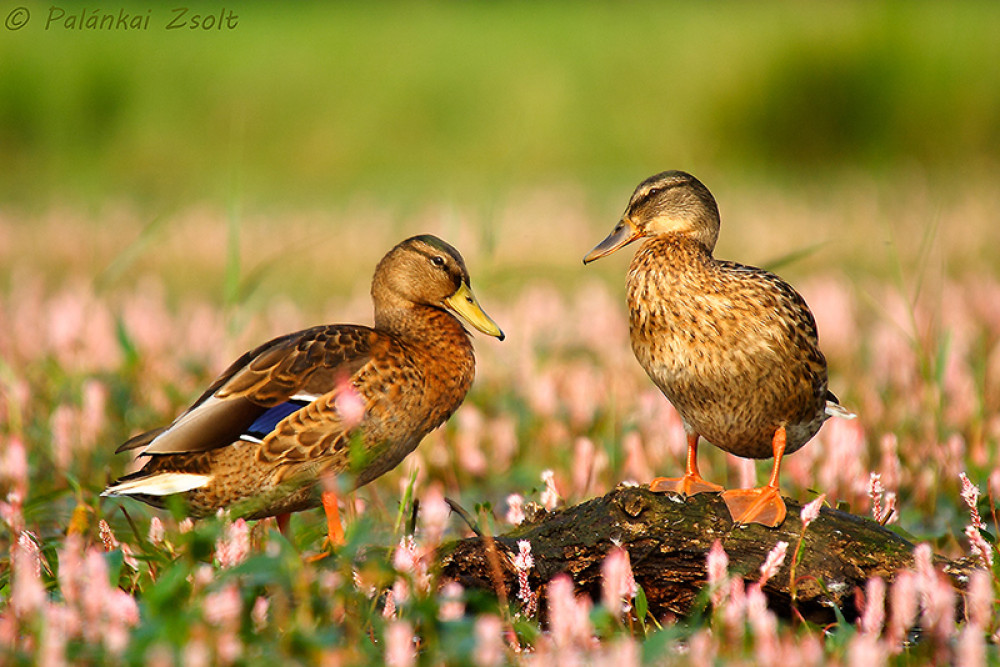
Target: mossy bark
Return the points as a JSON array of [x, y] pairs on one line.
[[668, 538]]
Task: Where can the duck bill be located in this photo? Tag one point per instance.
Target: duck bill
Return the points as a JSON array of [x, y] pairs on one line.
[[623, 234], [464, 302]]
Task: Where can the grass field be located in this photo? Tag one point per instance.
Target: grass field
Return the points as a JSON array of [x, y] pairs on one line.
[[171, 199]]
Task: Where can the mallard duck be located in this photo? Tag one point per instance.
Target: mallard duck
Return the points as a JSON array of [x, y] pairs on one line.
[[733, 347], [330, 400]]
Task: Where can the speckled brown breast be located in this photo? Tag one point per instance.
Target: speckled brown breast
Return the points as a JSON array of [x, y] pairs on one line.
[[734, 348]]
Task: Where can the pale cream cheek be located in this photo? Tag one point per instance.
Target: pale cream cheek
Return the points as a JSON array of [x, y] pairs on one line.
[[665, 224]]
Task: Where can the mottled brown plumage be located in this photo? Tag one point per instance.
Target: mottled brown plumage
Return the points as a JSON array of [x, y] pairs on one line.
[[289, 412], [733, 347]]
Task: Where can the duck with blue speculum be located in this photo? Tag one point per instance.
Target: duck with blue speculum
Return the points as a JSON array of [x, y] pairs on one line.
[[327, 401], [734, 348]]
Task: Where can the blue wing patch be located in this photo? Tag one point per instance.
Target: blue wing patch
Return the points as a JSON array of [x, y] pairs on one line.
[[268, 421]]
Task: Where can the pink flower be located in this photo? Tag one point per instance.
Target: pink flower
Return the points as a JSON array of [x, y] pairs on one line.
[[703, 648], [234, 546], [978, 546], [14, 465], [515, 509], [27, 591], [619, 584], [764, 625], [107, 535], [434, 514], [866, 649], [349, 404], [156, 531], [971, 648], [569, 616], [904, 602], [259, 613], [873, 617], [222, 607], [735, 610], [810, 512], [775, 558], [389, 608], [407, 560], [523, 563], [970, 494], [550, 497], [399, 648], [489, 650], [452, 607], [718, 573], [875, 492], [469, 440], [979, 599]]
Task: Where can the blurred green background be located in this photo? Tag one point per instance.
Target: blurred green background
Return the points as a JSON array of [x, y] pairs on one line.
[[304, 104], [864, 129]]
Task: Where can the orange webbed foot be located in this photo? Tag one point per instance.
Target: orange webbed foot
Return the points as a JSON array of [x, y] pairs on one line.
[[763, 506], [687, 485]]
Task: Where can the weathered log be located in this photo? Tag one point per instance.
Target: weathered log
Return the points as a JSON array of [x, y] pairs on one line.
[[668, 538]]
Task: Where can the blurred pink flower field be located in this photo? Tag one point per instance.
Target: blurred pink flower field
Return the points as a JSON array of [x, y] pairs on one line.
[[559, 413]]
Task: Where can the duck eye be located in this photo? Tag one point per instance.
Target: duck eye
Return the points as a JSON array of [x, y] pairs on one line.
[[437, 260], [654, 192]]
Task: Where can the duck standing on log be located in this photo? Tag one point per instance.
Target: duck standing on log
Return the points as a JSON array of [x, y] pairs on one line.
[[733, 347]]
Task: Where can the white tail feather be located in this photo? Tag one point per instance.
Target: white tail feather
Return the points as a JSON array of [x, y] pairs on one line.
[[164, 484], [838, 410]]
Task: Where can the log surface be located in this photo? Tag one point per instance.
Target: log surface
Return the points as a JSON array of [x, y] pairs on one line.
[[668, 538]]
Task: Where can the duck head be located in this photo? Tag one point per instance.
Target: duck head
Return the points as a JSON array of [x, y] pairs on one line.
[[672, 202]]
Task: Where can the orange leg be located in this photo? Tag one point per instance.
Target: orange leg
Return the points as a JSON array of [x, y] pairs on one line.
[[284, 525], [692, 482], [334, 529], [763, 505]]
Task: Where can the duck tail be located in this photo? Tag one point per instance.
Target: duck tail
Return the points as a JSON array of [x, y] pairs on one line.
[[835, 409], [158, 484]]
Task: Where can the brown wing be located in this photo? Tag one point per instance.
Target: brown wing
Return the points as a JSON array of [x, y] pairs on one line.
[[317, 433], [306, 364]]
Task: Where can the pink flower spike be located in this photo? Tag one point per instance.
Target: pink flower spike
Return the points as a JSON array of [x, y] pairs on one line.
[[773, 562], [970, 494], [14, 469], [27, 591], [875, 491], [156, 531], [489, 641], [350, 404], [259, 613], [978, 546], [550, 496], [523, 563], [107, 535], [434, 515], [399, 648], [569, 616], [515, 509], [979, 599], [873, 617], [234, 545], [452, 606], [718, 573], [811, 511], [619, 583]]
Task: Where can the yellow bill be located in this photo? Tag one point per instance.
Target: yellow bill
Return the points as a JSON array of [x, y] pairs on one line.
[[464, 302]]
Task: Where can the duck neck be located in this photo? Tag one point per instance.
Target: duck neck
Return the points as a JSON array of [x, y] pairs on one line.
[[420, 323], [676, 247]]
